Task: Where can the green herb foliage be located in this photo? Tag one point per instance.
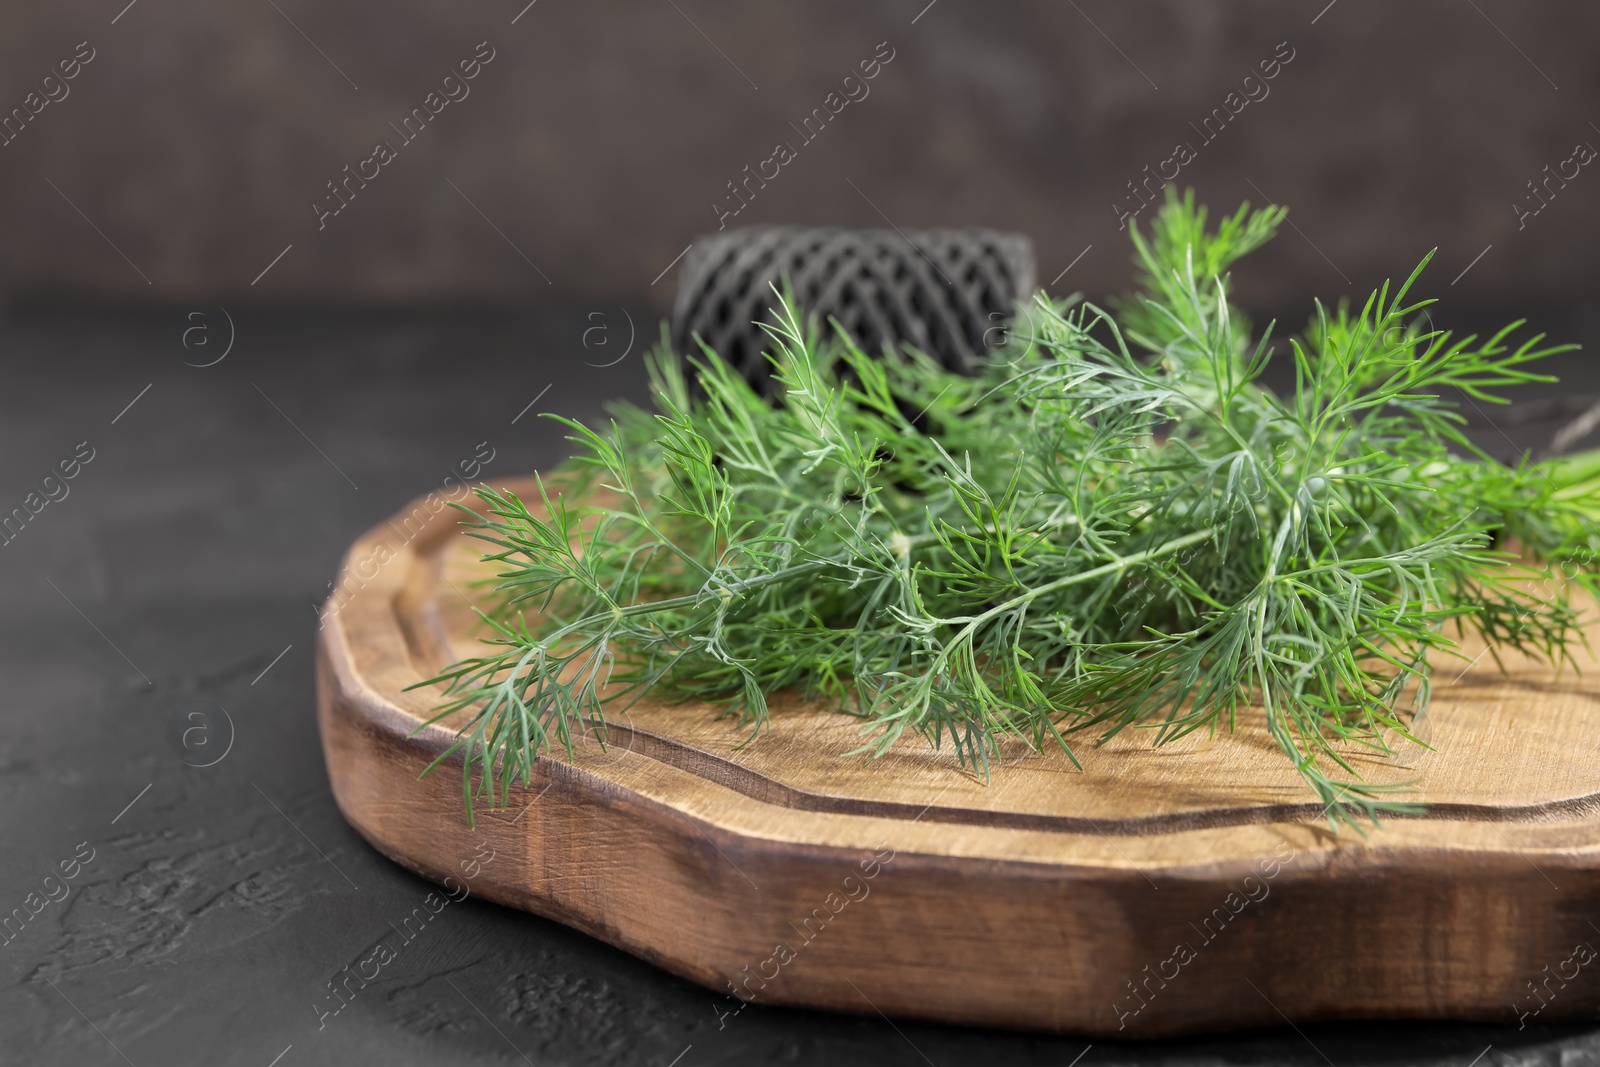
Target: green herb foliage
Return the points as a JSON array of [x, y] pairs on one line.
[[1116, 527]]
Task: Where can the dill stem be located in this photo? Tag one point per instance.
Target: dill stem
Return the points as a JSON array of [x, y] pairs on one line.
[[1119, 564], [688, 600]]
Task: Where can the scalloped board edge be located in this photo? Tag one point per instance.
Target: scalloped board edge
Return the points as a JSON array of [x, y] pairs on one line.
[[1092, 931]]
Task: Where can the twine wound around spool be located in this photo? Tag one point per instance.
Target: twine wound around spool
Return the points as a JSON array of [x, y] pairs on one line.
[[949, 293]]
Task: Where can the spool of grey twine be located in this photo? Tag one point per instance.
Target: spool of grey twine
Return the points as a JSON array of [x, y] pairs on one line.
[[949, 293]]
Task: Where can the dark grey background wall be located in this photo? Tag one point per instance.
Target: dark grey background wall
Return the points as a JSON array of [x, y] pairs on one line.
[[592, 147]]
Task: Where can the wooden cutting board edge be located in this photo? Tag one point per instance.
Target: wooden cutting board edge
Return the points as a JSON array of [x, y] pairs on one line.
[[710, 875]]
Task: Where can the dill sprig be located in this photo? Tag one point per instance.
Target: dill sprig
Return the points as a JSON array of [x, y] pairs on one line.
[[1117, 527]]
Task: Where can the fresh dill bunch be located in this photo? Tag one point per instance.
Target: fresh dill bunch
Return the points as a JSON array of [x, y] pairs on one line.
[[1120, 526]]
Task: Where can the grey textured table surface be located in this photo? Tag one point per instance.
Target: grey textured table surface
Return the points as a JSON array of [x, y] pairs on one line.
[[184, 564]]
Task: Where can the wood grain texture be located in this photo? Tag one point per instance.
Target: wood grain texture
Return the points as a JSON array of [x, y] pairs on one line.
[[1157, 891]]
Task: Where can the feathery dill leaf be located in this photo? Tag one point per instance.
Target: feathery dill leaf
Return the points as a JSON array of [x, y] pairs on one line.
[[1116, 527]]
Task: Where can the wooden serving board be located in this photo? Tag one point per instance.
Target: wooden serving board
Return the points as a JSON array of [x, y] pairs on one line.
[[1157, 891]]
